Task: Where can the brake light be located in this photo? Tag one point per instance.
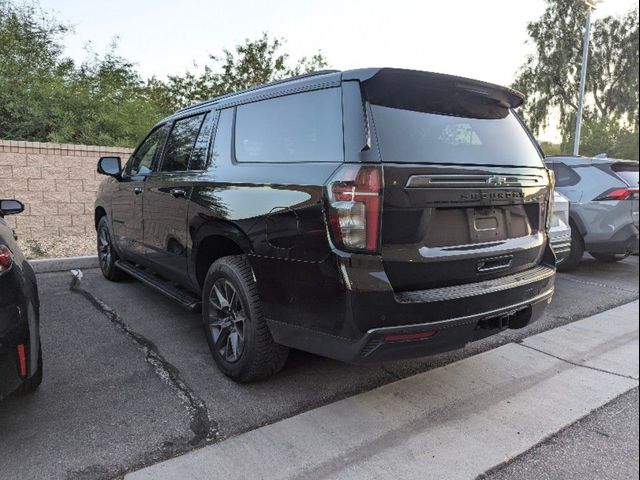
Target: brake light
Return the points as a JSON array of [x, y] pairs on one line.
[[6, 258], [355, 205], [619, 194]]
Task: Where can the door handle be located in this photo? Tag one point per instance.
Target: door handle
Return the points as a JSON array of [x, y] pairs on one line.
[[178, 192], [137, 190]]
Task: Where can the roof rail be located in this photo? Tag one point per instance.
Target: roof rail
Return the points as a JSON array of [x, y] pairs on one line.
[[256, 87]]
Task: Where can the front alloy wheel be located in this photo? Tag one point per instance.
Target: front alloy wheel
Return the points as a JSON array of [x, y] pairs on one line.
[[106, 253]]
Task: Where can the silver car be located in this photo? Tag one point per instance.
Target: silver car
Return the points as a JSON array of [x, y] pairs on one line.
[[604, 206], [560, 231]]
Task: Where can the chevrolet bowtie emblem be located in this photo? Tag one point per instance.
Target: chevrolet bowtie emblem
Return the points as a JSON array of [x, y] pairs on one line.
[[496, 180]]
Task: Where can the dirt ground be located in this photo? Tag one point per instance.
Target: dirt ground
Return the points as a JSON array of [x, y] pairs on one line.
[[62, 246]]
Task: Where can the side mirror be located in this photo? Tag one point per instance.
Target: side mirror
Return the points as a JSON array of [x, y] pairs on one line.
[[109, 166], [11, 207]]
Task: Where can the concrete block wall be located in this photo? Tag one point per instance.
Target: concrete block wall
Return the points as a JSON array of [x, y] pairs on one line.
[[56, 182]]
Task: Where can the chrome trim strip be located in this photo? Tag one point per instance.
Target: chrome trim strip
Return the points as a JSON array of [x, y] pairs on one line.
[[491, 181]]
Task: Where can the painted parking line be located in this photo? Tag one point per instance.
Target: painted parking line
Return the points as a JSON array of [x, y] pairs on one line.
[[457, 421]]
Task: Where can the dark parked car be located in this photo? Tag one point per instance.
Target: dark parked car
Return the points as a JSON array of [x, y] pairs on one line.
[[604, 206], [364, 215], [20, 354]]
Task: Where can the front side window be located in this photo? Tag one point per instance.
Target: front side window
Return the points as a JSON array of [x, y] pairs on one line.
[[180, 144], [141, 161], [305, 127]]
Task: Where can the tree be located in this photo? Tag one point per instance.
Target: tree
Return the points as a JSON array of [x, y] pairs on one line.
[[550, 77], [31, 70], [104, 100], [253, 63]]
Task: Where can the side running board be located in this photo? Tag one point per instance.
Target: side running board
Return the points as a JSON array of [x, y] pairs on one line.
[[186, 299]]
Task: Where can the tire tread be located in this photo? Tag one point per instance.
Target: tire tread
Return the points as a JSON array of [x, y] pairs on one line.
[[268, 357]]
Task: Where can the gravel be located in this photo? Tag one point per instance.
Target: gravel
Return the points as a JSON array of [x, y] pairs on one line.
[[61, 246]]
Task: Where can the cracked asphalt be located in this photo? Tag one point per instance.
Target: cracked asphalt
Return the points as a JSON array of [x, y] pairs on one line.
[[129, 379]]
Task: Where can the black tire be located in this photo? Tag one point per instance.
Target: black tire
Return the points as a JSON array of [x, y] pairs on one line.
[[107, 255], [572, 260], [236, 331], [608, 257], [31, 384]]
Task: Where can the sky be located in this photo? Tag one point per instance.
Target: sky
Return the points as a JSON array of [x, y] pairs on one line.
[[484, 39]]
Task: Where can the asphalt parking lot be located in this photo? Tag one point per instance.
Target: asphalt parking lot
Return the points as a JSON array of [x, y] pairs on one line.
[[129, 379]]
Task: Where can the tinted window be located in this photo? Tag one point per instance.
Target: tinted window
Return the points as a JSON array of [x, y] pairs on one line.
[[222, 142], [180, 144], [141, 161], [419, 137], [201, 148], [628, 172], [306, 127], [565, 176]]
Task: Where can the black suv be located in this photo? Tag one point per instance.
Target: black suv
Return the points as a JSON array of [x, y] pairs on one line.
[[363, 215]]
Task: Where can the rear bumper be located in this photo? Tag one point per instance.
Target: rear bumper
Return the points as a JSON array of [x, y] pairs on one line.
[[625, 240], [561, 245], [461, 314]]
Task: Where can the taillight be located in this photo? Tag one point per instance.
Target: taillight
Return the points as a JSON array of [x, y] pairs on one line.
[[6, 258], [355, 205], [549, 204], [619, 194], [549, 212]]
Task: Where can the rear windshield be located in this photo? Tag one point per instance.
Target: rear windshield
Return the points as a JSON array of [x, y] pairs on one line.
[[409, 136], [628, 172]]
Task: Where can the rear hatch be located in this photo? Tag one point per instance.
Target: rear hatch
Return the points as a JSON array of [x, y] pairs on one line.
[[465, 188], [627, 171]]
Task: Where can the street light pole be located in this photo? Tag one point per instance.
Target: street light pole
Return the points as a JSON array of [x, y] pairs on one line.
[[583, 77]]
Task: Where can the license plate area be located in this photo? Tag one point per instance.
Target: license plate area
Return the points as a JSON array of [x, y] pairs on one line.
[[466, 226]]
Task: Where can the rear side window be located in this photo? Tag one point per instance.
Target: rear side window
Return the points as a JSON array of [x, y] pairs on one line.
[[201, 148], [305, 127], [409, 136], [180, 144], [565, 176]]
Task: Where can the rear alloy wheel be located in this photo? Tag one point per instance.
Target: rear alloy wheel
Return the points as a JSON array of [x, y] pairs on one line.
[[226, 321], [106, 253], [608, 257], [236, 331]]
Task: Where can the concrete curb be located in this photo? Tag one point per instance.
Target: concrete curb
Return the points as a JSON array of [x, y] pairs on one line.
[[454, 422], [46, 265]]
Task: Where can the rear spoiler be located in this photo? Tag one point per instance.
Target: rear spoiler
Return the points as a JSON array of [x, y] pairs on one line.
[[435, 93]]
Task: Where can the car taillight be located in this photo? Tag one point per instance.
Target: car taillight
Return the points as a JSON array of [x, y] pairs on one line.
[[549, 205], [549, 211], [355, 204], [6, 258], [619, 194]]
